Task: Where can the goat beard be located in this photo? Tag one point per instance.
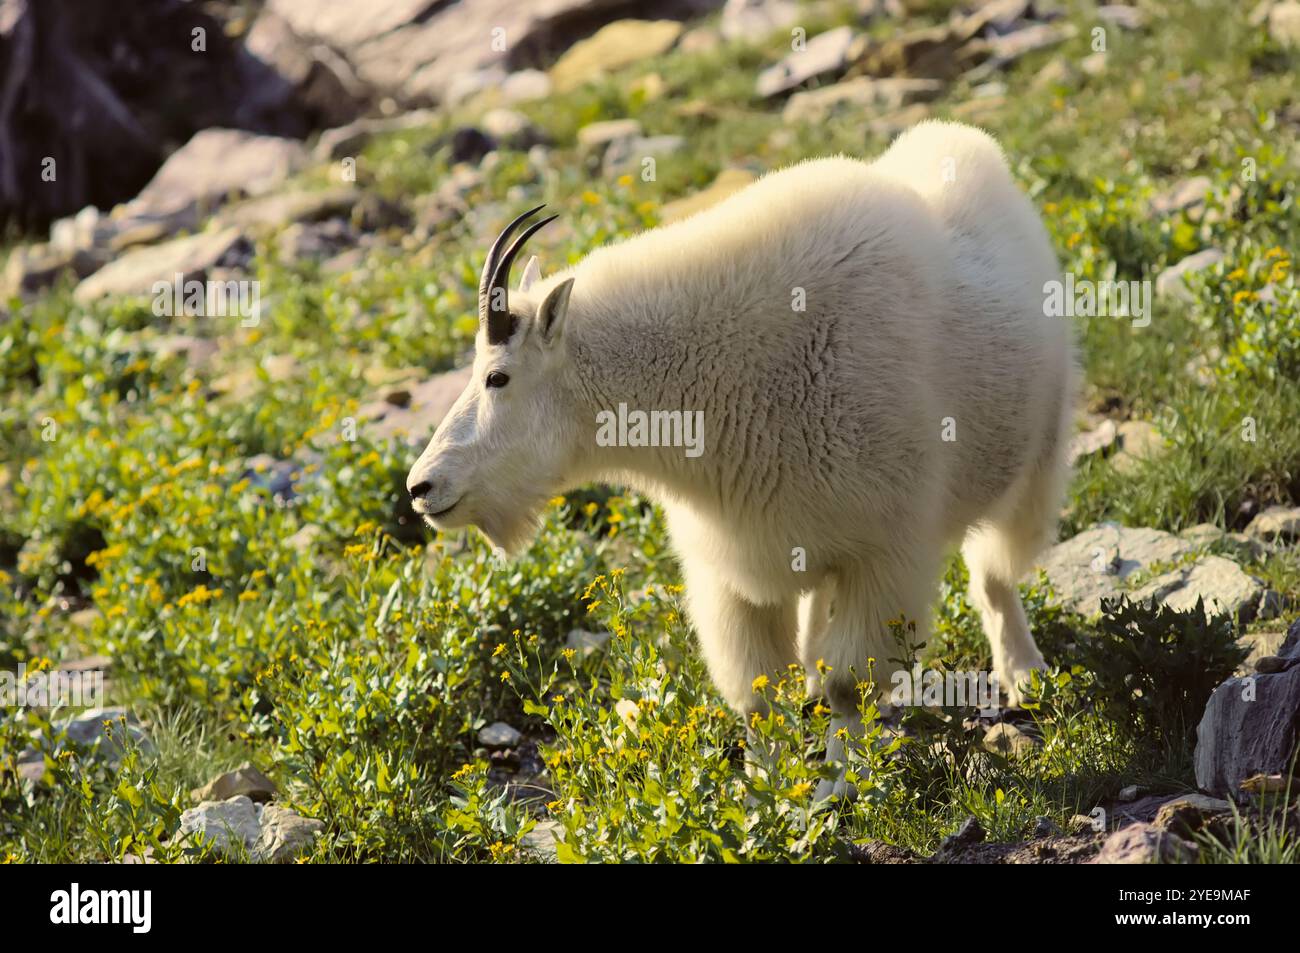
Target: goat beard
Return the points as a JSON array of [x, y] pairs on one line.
[[511, 534]]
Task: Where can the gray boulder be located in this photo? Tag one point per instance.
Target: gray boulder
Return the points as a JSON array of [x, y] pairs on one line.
[[1276, 522], [415, 53], [245, 780], [194, 256], [428, 403], [1095, 565], [1172, 281], [1143, 843], [825, 54], [1251, 726], [237, 829]]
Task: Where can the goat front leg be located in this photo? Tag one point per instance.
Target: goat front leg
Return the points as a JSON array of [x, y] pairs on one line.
[[856, 644], [741, 641]]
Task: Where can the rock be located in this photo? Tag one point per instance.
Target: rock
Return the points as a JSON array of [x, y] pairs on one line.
[[214, 165], [702, 39], [1203, 535], [512, 129], [279, 478], [31, 766], [1006, 49], [130, 232], [1188, 813], [1138, 441], [1123, 16], [996, 17], [245, 780], [584, 642], [970, 832], [879, 852], [136, 272], [1259, 645], [939, 52], [1129, 793], [374, 213], [286, 208], [858, 95], [1185, 196], [984, 101], [1244, 548], [104, 89], [430, 401], [1045, 827], [1272, 664], [231, 826], [1093, 441], [34, 268], [596, 137], [628, 155], [103, 730], [1276, 522], [317, 79], [613, 47], [1094, 64], [1006, 739], [754, 20], [237, 827], [1079, 824], [1172, 281], [1144, 844], [728, 182], [541, 840], [414, 52], [80, 232], [348, 140], [499, 735], [314, 240], [1092, 565], [1268, 784], [1250, 726], [469, 144], [285, 835], [1284, 24], [525, 86], [891, 124], [472, 85], [198, 353], [1220, 583], [825, 54]]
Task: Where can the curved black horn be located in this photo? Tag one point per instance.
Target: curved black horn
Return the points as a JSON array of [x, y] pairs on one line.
[[493, 255], [498, 319]]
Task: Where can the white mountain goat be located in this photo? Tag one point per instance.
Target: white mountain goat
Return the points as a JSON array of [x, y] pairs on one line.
[[878, 379]]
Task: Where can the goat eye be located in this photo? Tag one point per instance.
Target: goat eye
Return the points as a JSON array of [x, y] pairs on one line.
[[497, 379]]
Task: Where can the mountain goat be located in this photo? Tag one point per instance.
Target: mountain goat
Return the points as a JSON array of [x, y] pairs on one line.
[[867, 349]]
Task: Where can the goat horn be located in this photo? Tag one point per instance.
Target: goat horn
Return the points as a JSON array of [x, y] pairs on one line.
[[490, 266], [498, 320]]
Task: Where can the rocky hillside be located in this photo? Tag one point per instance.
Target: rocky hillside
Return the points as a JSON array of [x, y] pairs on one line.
[[239, 282]]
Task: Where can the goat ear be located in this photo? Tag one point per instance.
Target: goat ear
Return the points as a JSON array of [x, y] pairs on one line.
[[550, 316], [532, 272]]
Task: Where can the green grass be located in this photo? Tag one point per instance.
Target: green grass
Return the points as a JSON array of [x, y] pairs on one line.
[[357, 671]]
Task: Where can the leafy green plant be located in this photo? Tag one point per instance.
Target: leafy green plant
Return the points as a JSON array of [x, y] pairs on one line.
[[1153, 668]]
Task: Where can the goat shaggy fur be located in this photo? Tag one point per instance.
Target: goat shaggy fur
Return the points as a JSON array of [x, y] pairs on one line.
[[919, 400]]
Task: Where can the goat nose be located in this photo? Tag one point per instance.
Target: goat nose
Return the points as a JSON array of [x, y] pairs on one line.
[[419, 489]]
